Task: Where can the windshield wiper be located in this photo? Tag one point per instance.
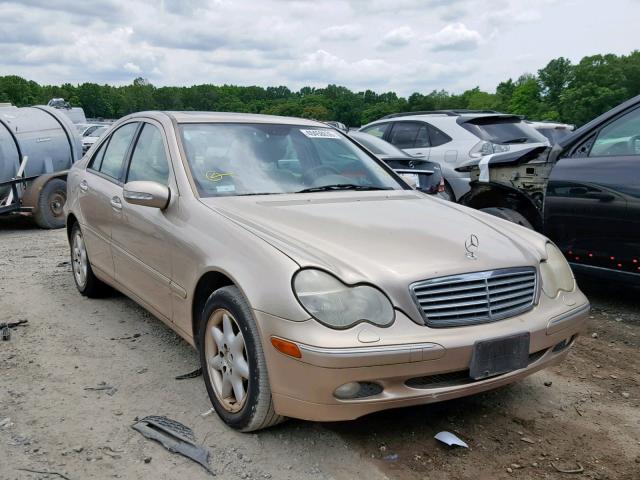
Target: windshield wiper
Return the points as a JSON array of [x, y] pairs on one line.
[[516, 140], [256, 193], [342, 186]]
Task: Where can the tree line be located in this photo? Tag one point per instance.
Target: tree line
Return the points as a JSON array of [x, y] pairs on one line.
[[561, 91]]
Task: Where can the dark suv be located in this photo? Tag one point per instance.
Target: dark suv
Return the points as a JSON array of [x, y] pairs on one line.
[[584, 193]]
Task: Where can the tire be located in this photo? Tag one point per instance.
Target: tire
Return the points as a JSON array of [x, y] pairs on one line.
[[87, 283], [49, 212], [227, 337], [508, 214]]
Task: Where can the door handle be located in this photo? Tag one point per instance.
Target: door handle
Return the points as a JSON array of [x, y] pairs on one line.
[[84, 186], [418, 154], [116, 203], [602, 196]]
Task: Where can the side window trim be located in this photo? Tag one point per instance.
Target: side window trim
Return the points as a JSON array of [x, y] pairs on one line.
[[117, 181], [101, 149], [127, 156], [134, 144]]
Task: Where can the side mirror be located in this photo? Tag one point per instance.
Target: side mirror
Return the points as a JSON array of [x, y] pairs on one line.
[[147, 194]]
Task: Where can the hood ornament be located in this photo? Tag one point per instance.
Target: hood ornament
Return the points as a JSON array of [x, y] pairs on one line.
[[471, 245]]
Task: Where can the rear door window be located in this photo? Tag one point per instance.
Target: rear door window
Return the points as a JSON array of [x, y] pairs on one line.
[[405, 134], [503, 130], [116, 150]]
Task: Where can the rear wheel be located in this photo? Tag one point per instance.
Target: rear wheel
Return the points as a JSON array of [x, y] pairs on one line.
[[88, 284], [233, 364], [49, 211], [508, 214]]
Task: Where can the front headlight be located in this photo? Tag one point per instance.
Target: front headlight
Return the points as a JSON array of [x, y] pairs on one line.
[[555, 272], [337, 305]]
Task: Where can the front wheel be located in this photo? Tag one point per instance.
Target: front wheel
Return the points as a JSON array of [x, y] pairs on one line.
[[233, 364]]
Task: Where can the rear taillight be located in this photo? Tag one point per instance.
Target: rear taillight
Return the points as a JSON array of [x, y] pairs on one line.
[[483, 148]]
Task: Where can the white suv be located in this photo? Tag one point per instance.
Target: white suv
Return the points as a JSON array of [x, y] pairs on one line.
[[453, 137]]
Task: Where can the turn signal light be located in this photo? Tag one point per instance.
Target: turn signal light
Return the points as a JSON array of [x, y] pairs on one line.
[[286, 347]]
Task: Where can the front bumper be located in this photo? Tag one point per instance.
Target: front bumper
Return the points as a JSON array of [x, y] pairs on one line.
[[409, 364]]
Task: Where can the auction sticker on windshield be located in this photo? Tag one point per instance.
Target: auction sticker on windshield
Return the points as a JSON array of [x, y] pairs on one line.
[[320, 133]]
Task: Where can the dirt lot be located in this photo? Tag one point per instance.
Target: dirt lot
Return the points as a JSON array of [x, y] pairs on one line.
[[583, 414]]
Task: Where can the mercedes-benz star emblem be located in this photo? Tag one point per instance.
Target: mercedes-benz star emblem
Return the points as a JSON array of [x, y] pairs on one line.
[[471, 245]]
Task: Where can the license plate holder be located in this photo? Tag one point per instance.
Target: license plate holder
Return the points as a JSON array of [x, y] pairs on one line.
[[499, 355]]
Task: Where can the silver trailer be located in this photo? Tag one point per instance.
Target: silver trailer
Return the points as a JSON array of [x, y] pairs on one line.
[[37, 146]]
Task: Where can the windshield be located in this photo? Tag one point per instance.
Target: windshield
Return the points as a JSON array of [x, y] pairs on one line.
[[503, 130], [377, 145], [260, 159]]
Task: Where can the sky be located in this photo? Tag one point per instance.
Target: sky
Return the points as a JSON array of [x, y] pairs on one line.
[[404, 46]]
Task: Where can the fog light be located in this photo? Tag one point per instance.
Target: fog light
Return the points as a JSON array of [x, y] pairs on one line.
[[348, 390]]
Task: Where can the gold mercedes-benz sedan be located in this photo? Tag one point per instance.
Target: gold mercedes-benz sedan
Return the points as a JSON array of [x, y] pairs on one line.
[[312, 280]]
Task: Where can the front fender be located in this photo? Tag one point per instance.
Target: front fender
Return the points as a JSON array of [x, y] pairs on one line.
[[493, 194]]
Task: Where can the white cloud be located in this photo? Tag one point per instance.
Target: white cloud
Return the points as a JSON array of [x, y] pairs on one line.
[[386, 45], [342, 32], [455, 36], [398, 37]]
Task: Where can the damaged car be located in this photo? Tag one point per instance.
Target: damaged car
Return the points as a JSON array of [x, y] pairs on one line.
[[313, 282], [583, 193]]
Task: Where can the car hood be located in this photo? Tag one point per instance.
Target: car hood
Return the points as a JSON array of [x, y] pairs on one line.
[[390, 239]]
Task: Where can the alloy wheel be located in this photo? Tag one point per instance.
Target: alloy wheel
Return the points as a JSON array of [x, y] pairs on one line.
[[227, 364], [79, 261]]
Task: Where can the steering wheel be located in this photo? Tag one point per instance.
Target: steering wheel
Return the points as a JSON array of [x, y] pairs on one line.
[[320, 171], [634, 145]]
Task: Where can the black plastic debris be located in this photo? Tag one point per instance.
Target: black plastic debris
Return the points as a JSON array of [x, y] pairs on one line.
[[5, 329], [196, 373], [175, 437]]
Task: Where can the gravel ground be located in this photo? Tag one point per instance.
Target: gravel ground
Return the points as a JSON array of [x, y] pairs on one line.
[[583, 414]]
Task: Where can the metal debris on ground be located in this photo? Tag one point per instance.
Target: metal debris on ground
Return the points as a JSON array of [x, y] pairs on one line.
[[175, 437], [196, 373], [207, 413], [450, 439], [579, 468], [43, 472], [5, 328], [108, 389]]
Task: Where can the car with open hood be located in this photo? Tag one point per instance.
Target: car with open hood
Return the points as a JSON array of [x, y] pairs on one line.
[[583, 193], [312, 280], [453, 137]]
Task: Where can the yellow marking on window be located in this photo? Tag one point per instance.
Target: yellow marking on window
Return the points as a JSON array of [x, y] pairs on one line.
[[216, 176]]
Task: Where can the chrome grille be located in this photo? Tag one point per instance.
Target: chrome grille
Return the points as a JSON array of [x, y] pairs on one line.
[[477, 297]]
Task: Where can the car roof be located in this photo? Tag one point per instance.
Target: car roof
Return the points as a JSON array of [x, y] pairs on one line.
[[230, 117]]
